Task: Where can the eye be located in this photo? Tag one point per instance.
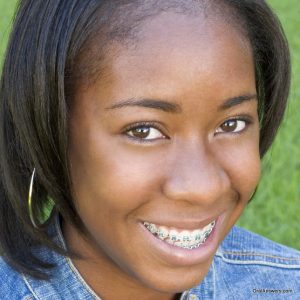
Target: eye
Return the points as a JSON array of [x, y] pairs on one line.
[[232, 126], [144, 132]]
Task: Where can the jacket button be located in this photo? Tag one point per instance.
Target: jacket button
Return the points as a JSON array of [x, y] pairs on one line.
[[193, 297]]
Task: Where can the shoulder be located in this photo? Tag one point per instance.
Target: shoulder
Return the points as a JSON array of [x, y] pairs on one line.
[[248, 266], [13, 286]]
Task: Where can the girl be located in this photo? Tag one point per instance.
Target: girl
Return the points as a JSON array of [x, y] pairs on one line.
[[131, 138]]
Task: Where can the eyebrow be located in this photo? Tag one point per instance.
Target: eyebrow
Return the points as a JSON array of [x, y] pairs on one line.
[[174, 107], [237, 100], [150, 103]]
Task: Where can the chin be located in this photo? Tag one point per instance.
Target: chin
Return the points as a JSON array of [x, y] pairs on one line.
[[176, 280]]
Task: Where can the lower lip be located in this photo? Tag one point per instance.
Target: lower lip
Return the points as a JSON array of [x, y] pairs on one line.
[[184, 257]]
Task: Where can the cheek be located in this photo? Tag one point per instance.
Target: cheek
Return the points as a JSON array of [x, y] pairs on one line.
[[112, 181], [243, 165]]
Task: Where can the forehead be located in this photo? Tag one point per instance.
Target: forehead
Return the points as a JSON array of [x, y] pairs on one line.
[[173, 48], [175, 57], [177, 38]]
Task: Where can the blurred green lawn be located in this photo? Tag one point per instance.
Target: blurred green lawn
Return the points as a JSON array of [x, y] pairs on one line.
[[275, 211]]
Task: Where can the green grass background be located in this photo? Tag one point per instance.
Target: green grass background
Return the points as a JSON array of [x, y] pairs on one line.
[[275, 210]]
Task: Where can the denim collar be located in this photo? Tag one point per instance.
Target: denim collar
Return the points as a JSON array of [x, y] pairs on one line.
[[67, 283]]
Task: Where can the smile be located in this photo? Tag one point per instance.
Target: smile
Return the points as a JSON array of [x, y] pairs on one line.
[[186, 239]]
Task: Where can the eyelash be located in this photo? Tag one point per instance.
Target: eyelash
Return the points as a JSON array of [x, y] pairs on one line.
[[145, 125], [247, 120]]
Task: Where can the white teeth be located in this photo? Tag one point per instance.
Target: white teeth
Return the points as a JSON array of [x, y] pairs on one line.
[[185, 236], [152, 228], [173, 236], [184, 239], [197, 234], [162, 233]]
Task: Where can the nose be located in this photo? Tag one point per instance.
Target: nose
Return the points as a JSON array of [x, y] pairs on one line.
[[196, 176]]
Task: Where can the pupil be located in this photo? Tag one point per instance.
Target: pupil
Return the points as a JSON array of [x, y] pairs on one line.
[[229, 126], [141, 132]]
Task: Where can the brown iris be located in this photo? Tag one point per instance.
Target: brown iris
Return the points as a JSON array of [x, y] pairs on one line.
[[229, 126], [141, 132]]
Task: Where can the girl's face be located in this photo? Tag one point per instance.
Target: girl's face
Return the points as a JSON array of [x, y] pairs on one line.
[[166, 140]]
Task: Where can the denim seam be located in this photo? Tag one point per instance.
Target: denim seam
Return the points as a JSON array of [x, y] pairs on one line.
[[214, 278], [28, 297], [259, 262], [30, 287], [184, 295], [82, 281], [260, 254]]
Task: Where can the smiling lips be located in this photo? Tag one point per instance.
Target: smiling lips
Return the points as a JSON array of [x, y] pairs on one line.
[[186, 239]]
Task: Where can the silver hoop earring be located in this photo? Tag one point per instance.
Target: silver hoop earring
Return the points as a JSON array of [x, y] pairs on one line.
[[30, 200], [46, 212]]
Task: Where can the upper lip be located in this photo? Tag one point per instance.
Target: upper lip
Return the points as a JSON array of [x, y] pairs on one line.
[[183, 224]]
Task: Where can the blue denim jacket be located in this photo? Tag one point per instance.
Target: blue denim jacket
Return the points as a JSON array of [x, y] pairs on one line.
[[246, 266]]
